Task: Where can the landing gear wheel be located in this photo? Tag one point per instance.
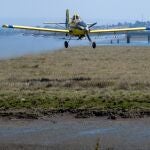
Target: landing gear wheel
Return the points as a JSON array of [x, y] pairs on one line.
[[94, 45], [66, 44]]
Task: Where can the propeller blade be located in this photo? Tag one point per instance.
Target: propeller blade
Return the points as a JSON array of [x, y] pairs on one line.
[[92, 24], [88, 37]]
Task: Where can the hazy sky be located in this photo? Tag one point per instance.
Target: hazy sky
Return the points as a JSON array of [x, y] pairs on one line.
[[103, 11]]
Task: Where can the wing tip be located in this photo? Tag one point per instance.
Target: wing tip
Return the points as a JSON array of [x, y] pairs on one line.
[[4, 26], [7, 26], [148, 28]]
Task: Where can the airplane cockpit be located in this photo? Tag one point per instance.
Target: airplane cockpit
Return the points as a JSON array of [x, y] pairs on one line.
[[76, 18]]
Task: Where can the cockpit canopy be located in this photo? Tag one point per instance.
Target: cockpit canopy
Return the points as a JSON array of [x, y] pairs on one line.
[[81, 23], [76, 18]]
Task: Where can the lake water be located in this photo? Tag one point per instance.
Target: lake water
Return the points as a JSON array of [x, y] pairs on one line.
[[74, 134], [14, 44], [18, 45]]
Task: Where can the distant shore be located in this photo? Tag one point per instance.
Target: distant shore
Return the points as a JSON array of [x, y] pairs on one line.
[[108, 81]]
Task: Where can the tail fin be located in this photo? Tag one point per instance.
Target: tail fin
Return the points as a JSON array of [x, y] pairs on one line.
[[67, 18]]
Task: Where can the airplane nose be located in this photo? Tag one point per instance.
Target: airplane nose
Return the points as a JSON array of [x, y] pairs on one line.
[[86, 29]]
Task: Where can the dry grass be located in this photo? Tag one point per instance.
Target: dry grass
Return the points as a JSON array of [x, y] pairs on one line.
[[107, 77]]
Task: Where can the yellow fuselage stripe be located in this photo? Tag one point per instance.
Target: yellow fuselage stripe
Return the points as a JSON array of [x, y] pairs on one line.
[[77, 32]]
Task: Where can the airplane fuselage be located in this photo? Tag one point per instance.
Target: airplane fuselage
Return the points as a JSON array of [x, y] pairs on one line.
[[77, 32], [79, 29]]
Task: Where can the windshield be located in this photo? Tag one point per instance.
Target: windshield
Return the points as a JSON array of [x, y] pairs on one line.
[[83, 24]]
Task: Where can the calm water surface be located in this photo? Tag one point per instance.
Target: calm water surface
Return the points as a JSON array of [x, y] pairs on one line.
[[59, 133]]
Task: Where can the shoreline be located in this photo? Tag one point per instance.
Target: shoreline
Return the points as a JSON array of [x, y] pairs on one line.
[[75, 113]]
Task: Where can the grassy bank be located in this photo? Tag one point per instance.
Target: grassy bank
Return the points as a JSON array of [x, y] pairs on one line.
[[107, 79]]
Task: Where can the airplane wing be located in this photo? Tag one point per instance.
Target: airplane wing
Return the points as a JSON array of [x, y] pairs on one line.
[[121, 30], [36, 28]]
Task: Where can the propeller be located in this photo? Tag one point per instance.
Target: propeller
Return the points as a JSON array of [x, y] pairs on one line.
[[88, 37], [89, 28], [92, 25]]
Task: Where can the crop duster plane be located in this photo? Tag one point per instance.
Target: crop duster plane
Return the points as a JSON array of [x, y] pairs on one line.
[[76, 27]]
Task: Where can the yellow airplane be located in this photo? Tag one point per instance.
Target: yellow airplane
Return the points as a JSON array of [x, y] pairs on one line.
[[75, 26]]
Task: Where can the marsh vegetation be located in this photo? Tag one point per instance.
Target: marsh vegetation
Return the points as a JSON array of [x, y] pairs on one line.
[[108, 80]]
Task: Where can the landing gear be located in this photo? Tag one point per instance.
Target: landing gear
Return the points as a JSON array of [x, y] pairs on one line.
[[66, 44], [94, 45]]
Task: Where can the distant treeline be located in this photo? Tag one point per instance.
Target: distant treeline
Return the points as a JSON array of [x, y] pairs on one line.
[[127, 24]]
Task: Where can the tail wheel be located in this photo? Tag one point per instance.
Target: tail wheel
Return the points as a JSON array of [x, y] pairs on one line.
[[66, 44], [94, 45]]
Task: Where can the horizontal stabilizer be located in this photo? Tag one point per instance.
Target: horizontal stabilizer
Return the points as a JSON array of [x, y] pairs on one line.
[[53, 23]]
